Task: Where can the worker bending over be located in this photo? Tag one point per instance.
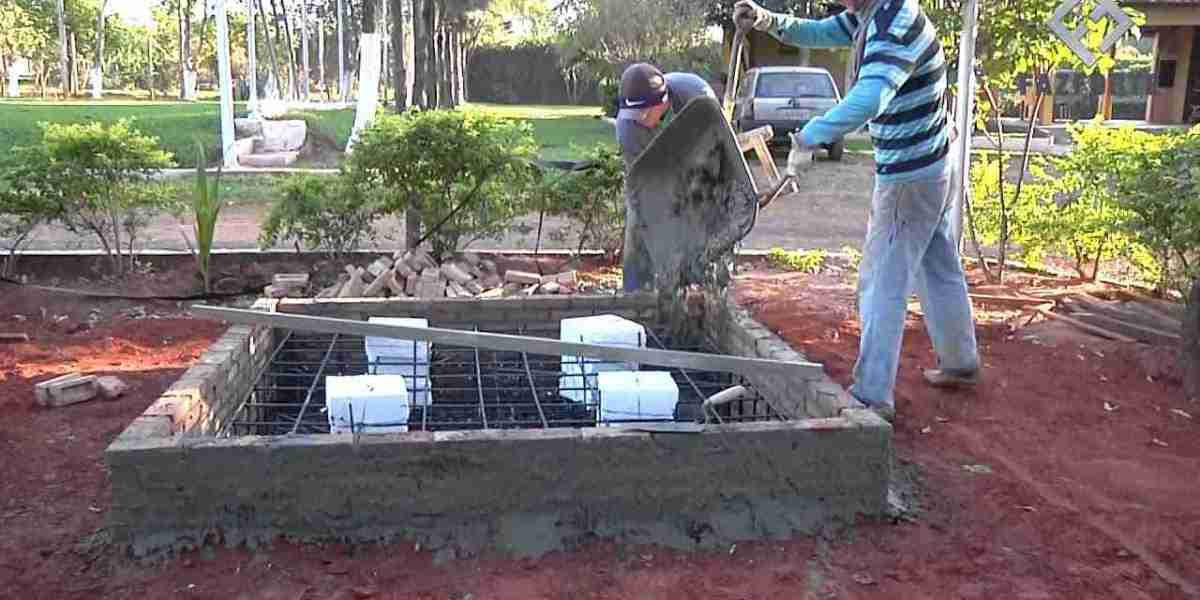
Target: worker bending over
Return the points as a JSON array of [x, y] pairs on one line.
[[646, 96], [898, 84]]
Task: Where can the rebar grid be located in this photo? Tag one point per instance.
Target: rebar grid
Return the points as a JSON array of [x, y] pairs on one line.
[[469, 388]]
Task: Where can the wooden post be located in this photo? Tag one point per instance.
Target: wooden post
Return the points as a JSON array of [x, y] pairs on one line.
[[1190, 354]]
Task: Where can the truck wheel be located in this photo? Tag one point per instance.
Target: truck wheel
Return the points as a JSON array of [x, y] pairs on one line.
[[837, 150]]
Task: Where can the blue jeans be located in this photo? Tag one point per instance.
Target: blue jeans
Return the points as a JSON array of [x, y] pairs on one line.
[[911, 246]]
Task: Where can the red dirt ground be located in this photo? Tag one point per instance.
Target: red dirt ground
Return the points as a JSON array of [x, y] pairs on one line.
[[1063, 499]]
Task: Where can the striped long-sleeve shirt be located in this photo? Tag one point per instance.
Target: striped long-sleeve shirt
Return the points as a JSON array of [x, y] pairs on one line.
[[899, 91]]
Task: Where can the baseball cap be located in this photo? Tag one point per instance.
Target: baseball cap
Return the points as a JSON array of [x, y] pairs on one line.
[[642, 86]]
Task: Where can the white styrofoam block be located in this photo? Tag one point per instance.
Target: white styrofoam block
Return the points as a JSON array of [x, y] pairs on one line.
[[406, 358], [374, 399], [397, 347], [612, 330], [637, 395]]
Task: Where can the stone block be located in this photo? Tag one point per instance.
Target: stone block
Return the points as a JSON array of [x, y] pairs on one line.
[[66, 390], [283, 136], [269, 160], [522, 277]]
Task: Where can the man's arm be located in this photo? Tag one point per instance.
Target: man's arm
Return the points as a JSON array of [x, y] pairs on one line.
[[866, 100], [888, 62], [832, 32]]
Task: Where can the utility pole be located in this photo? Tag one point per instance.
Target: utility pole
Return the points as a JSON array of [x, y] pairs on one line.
[[964, 113], [225, 76], [252, 60]]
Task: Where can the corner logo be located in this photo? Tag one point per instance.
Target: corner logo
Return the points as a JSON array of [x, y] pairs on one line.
[[1074, 38]]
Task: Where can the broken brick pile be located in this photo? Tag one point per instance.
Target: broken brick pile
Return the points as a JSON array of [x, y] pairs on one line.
[[416, 274]]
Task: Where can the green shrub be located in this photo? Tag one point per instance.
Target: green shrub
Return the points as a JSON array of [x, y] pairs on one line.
[[93, 179], [1159, 183], [467, 174], [592, 201], [329, 214], [808, 261], [1086, 223]]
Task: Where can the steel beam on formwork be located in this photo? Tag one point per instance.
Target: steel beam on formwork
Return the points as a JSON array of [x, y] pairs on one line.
[[747, 367]]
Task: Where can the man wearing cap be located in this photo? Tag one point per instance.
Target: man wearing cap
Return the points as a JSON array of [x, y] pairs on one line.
[[646, 96], [898, 84]]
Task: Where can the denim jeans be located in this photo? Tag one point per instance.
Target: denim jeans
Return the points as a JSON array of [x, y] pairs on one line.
[[637, 268], [911, 246]]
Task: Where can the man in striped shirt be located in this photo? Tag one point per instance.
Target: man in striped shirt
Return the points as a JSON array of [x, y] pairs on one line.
[[898, 83]]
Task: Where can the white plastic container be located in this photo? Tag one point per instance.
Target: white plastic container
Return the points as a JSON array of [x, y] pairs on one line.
[[580, 373], [637, 395], [375, 399], [407, 358]]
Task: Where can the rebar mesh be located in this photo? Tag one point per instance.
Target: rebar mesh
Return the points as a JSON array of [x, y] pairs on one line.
[[470, 388]]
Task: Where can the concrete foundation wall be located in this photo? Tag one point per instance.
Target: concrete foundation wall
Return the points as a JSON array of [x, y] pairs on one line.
[[525, 492], [175, 485]]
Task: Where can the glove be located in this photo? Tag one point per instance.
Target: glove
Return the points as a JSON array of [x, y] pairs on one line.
[[800, 159], [747, 15]]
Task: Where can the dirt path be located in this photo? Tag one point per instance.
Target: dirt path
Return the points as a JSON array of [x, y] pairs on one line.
[[830, 213], [1029, 488]]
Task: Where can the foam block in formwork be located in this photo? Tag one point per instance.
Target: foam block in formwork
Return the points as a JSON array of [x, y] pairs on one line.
[[380, 403], [407, 358], [578, 382], [637, 396]]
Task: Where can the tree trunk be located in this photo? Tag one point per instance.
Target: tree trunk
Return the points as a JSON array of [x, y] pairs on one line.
[[262, 13], [98, 56], [286, 37], [64, 64], [433, 71], [306, 75], [343, 83], [420, 52], [1191, 345], [184, 25], [74, 64], [399, 57], [322, 86], [461, 56]]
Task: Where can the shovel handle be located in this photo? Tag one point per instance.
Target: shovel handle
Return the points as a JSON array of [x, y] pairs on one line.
[[735, 67]]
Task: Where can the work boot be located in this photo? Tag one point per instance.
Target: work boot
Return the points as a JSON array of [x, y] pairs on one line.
[[951, 378]]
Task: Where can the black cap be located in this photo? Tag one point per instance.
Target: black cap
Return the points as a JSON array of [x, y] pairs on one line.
[[642, 86]]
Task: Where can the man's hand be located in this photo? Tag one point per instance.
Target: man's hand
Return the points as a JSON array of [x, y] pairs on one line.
[[747, 15], [800, 159]]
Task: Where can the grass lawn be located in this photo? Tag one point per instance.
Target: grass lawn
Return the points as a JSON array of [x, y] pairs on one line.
[[176, 124], [563, 132]]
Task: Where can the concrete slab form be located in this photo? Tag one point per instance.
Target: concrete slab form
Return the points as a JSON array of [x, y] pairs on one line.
[[180, 481]]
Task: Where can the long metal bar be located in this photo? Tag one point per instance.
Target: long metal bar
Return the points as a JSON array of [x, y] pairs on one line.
[[749, 367], [265, 369], [479, 386], [533, 388], [313, 388]]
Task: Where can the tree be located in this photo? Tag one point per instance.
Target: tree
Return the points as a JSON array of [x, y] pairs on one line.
[[465, 172], [92, 178], [610, 34], [1014, 41], [24, 33]]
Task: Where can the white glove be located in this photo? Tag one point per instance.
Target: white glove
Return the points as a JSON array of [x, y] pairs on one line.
[[747, 15], [800, 159]]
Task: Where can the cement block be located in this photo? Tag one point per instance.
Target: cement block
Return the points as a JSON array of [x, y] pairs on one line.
[[283, 136], [66, 390]]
